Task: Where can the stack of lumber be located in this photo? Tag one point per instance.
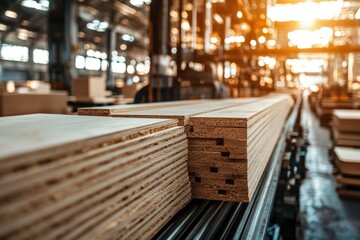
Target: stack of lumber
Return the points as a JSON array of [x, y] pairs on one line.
[[113, 110], [356, 99], [233, 133], [346, 127], [79, 177], [327, 106], [26, 103], [348, 162], [229, 149]]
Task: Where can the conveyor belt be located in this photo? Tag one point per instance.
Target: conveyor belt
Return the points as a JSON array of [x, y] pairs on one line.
[[202, 219]]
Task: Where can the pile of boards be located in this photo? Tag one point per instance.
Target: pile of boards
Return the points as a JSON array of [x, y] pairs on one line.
[[346, 127], [328, 105], [348, 162], [229, 149], [230, 141], [78, 177], [12, 104], [346, 134]]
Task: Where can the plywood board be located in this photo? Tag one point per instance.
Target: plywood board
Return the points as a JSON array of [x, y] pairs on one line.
[[79, 177], [12, 104], [348, 160]]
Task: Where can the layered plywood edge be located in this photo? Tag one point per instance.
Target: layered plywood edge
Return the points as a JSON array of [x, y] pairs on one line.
[[236, 171], [346, 127], [232, 137], [348, 162], [77, 177]]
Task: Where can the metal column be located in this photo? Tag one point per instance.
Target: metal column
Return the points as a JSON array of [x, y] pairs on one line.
[[62, 41], [161, 74]]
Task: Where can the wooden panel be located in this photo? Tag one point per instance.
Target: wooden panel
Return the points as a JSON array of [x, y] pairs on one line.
[[110, 110], [89, 87], [78, 177], [257, 124], [182, 113], [242, 132], [348, 160], [12, 104], [347, 120]]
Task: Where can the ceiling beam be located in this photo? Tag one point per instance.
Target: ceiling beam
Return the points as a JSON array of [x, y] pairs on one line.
[[316, 24]]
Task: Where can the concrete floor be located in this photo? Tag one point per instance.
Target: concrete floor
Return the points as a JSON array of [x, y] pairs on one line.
[[323, 214]]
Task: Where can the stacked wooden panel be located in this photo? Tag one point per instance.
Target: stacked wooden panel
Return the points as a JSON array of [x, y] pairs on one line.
[[113, 110], [327, 106], [78, 177], [229, 149], [27, 103], [346, 127], [348, 162], [183, 112], [230, 141]]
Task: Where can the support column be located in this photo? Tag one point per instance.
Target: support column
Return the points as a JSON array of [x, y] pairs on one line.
[[161, 73], [208, 25], [62, 41], [194, 25], [110, 44]]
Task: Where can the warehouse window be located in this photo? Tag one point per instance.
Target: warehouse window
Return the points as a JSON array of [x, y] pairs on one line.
[[118, 67], [14, 53], [41, 56], [92, 63], [80, 62]]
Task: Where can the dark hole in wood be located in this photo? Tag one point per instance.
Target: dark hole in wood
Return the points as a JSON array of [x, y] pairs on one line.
[[214, 169], [225, 154], [191, 129], [220, 142], [229, 181], [198, 179], [222, 192]]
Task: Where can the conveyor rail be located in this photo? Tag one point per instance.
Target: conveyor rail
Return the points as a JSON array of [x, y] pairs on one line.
[[203, 219]]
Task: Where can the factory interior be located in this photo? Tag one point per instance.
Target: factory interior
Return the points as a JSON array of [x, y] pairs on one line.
[[180, 119]]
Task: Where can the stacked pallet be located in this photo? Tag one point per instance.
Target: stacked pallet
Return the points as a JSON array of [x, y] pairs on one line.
[[348, 162], [78, 177], [27, 103], [346, 130], [229, 149]]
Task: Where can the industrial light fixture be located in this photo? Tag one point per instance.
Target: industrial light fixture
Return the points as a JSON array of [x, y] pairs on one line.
[[137, 3], [3, 27], [123, 47], [128, 38], [239, 14], [10, 14], [42, 5], [357, 14], [262, 40], [218, 18], [97, 25]]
